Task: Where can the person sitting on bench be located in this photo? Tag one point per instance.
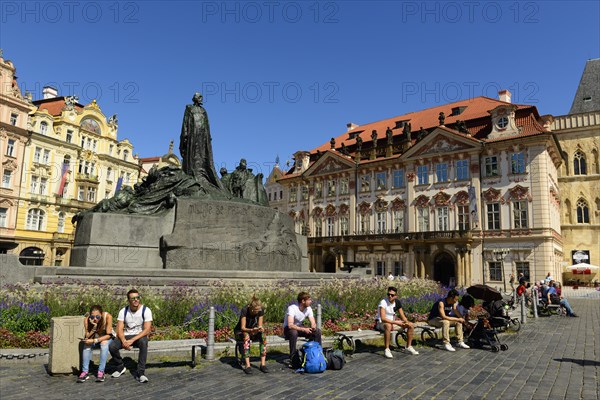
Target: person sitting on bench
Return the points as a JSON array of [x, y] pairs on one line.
[[387, 322], [292, 323], [250, 327]]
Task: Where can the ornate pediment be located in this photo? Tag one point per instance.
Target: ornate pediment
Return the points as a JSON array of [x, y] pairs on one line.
[[302, 215], [398, 204], [6, 202], [329, 166], [364, 208], [330, 210], [9, 164], [491, 195], [292, 214], [317, 212], [422, 201], [441, 199], [380, 205], [520, 193], [442, 145], [462, 198], [344, 209]]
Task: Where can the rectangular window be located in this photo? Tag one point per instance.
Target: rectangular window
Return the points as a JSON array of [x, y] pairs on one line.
[[65, 192], [69, 138], [381, 226], [422, 219], [331, 187], [81, 193], [381, 178], [13, 119], [344, 186], [6, 179], [60, 226], [37, 154], [491, 166], [520, 214], [442, 215], [46, 157], [344, 226], [304, 189], [365, 183], [441, 172], [110, 149], [107, 194], [82, 141], [330, 226], [88, 143], [398, 176], [10, 148], [318, 190], [318, 227], [43, 185], [3, 217], [495, 271], [398, 216], [493, 216], [462, 170], [34, 185], [91, 194], [398, 268], [94, 145], [293, 194], [364, 224], [463, 218], [517, 163], [422, 175], [523, 267], [380, 268]]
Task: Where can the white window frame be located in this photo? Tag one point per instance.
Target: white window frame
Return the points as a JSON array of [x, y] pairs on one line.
[[423, 219], [381, 219], [398, 217], [442, 219], [10, 147], [35, 219], [520, 214], [6, 178]]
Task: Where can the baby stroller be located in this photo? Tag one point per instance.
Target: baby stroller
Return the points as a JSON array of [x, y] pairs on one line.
[[484, 332], [499, 317]]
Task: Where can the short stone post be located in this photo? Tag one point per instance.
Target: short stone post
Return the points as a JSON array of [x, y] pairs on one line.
[[523, 309], [535, 302], [64, 354], [210, 342], [319, 316]]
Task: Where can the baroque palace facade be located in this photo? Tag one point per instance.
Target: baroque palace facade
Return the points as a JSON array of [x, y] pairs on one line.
[[462, 193], [59, 158]]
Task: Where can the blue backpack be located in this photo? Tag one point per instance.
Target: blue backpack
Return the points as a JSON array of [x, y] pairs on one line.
[[314, 359]]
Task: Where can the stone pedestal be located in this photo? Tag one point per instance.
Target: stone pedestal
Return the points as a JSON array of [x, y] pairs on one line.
[[229, 235], [64, 357]]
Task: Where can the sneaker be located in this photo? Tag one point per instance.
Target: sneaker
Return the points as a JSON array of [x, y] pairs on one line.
[[388, 354], [117, 374], [574, 315], [247, 370], [84, 376], [412, 350], [449, 347], [100, 376], [263, 369], [463, 345], [142, 379]]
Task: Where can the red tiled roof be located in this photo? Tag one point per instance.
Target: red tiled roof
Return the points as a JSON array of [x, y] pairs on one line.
[[149, 159], [55, 105], [476, 108]]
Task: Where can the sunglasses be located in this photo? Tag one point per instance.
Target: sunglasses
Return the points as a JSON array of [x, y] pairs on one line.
[[95, 316], [133, 298], [391, 294]]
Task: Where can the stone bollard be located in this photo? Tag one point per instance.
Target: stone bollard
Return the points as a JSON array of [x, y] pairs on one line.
[[523, 310], [64, 354], [319, 316], [535, 302], [210, 340]]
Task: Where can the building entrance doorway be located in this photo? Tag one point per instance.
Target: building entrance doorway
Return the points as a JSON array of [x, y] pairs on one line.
[[329, 263], [443, 269]]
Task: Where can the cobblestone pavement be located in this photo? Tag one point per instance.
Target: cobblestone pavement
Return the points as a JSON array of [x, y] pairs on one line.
[[550, 358]]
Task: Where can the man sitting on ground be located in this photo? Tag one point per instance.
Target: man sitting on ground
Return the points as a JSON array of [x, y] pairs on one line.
[[294, 317], [554, 298], [134, 324], [387, 322], [439, 316]]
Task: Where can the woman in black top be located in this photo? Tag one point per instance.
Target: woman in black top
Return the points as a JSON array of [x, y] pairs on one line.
[[250, 327]]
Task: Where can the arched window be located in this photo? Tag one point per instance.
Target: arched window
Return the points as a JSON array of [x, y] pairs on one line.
[[35, 219], [43, 127], [579, 166], [583, 212], [32, 256], [109, 174], [60, 228], [125, 154]]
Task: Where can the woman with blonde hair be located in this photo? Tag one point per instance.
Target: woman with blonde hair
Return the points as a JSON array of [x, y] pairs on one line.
[[250, 328]]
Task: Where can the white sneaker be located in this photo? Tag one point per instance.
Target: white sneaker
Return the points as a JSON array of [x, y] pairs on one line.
[[463, 345], [412, 350], [449, 347], [388, 354], [117, 374], [142, 379]]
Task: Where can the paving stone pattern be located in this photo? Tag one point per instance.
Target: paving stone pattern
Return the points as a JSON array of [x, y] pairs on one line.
[[551, 358]]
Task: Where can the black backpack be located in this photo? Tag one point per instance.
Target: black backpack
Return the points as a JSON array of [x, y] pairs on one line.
[[335, 359]]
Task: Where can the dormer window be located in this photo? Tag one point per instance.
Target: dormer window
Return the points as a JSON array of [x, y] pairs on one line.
[[43, 127], [502, 122]]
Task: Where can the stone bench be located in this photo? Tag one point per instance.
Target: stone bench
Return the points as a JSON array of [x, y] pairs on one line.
[[347, 339]]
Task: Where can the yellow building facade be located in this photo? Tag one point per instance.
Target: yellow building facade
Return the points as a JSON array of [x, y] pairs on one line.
[[71, 161]]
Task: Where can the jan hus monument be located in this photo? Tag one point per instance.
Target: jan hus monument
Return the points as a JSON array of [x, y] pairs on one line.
[[189, 218]]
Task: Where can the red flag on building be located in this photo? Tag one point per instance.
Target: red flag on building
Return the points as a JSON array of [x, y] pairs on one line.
[[63, 179]]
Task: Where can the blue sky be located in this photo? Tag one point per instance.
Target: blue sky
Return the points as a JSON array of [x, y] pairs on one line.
[[282, 76]]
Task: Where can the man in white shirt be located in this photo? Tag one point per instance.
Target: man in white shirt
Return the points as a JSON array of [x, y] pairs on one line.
[[293, 322], [133, 326], [387, 322]]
